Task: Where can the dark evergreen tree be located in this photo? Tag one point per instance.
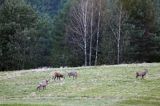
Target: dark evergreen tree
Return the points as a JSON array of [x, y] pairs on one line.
[[17, 29], [142, 18], [50, 7], [44, 42], [60, 51]]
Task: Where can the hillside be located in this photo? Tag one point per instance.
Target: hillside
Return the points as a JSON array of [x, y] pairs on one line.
[[113, 85]]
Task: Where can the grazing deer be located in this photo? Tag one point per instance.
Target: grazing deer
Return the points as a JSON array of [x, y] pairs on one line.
[[142, 74], [73, 74], [58, 75], [43, 85]]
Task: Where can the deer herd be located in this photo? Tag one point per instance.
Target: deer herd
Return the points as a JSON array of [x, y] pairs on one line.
[[56, 75]]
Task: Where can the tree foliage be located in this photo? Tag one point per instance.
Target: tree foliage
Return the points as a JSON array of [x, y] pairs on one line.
[[17, 26], [37, 33], [142, 18]]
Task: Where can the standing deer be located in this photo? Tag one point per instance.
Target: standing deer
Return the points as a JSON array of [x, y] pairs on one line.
[[43, 85], [74, 74], [142, 74], [57, 75]]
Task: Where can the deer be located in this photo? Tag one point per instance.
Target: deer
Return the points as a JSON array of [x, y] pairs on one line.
[[74, 74], [57, 75], [142, 73], [43, 85]]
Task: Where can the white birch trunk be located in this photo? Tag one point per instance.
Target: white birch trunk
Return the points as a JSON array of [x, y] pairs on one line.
[[85, 31], [119, 35], [97, 40], [90, 52]]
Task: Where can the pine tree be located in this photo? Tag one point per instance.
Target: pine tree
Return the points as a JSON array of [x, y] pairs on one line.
[[142, 18], [17, 29]]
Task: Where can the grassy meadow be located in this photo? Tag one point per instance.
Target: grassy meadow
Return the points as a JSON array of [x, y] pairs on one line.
[[113, 85]]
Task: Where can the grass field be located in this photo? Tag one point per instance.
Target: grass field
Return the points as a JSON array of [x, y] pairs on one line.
[[113, 85]]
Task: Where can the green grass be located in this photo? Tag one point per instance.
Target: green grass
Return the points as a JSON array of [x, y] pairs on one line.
[[96, 86], [24, 105]]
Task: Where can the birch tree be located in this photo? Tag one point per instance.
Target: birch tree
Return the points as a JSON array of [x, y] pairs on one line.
[[116, 22], [78, 26], [91, 33], [85, 26], [98, 29]]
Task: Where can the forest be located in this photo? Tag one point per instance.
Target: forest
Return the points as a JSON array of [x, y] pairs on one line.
[[55, 33]]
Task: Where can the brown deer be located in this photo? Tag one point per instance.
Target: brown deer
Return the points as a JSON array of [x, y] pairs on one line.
[[43, 85], [142, 74], [57, 75]]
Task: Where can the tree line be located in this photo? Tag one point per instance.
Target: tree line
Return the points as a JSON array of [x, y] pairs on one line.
[[74, 33]]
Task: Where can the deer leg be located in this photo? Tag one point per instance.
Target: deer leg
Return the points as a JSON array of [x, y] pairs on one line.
[[54, 78], [136, 76], [142, 77], [37, 87]]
